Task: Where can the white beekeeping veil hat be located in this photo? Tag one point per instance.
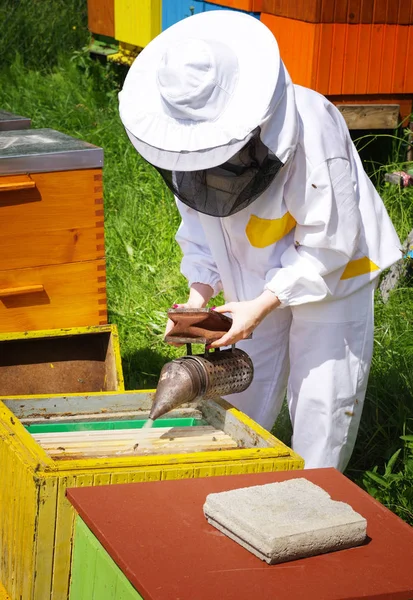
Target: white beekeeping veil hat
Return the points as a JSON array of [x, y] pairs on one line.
[[198, 92]]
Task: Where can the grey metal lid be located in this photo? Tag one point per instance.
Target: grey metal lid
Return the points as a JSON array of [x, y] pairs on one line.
[[44, 150], [10, 121]]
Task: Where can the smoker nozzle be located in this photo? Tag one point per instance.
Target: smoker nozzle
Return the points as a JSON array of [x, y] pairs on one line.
[[186, 379]]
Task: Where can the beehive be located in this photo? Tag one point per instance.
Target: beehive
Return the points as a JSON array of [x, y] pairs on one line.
[[9, 121], [245, 5], [83, 359], [36, 520], [356, 53], [137, 22], [176, 10], [343, 11], [52, 252], [101, 17]]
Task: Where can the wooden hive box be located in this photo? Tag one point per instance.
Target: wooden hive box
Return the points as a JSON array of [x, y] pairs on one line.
[[356, 53], [176, 10], [396, 12], [345, 59], [79, 360], [246, 5], [120, 555], [52, 252], [137, 22], [36, 519], [101, 17], [9, 121]]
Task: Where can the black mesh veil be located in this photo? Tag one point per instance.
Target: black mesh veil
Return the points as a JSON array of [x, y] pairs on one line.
[[225, 190]]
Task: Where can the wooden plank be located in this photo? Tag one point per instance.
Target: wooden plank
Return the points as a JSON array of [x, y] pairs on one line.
[[84, 564], [343, 11], [338, 52], [375, 59], [64, 303], [72, 406], [370, 116], [3, 593], [351, 59], [94, 573], [134, 442], [137, 22], [362, 64], [324, 58], [63, 538], [52, 223], [95, 436], [45, 537], [101, 17], [388, 60], [354, 8], [115, 416], [340, 11], [327, 12], [367, 9]]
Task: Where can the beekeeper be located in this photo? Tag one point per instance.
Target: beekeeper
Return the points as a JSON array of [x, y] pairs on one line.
[[277, 212]]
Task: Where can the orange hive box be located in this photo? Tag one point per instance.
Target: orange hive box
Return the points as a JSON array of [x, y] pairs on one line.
[[247, 5], [345, 59], [101, 17], [343, 11], [52, 252]]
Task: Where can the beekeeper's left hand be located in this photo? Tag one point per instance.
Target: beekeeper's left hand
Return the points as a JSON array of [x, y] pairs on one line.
[[246, 316]]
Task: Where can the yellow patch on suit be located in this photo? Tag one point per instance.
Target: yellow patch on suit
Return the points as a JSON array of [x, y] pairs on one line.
[[360, 266], [264, 232]]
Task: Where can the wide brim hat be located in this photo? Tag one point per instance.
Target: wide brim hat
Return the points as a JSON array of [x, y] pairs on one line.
[[197, 93]]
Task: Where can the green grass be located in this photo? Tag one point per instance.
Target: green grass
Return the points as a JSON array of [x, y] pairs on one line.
[[39, 30], [73, 94]]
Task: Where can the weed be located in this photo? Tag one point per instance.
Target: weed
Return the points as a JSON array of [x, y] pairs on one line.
[[394, 487]]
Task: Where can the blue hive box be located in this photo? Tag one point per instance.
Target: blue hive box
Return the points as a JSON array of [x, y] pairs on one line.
[[176, 10]]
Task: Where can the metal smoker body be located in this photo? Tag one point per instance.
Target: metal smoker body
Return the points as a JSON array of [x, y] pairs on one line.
[[208, 375]]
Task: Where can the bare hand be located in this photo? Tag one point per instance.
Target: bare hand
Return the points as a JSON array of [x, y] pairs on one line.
[[246, 316]]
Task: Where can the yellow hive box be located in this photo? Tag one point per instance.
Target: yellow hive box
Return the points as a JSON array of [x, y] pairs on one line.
[[71, 360], [3, 594], [36, 520], [137, 22]]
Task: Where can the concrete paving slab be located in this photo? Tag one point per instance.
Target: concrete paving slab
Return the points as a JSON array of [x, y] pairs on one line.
[[284, 521]]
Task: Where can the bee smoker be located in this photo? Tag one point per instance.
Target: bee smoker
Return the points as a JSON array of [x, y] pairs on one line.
[[207, 375]]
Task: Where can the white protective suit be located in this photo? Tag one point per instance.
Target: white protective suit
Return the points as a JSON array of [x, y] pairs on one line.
[[318, 238]]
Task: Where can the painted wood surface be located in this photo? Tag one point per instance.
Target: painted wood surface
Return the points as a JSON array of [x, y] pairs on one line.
[[343, 59], [73, 294], [343, 11], [12, 183], [174, 553], [95, 576], [210, 6], [176, 10], [62, 360], [245, 5], [36, 546], [54, 240], [51, 218], [3, 594], [101, 17], [137, 22]]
